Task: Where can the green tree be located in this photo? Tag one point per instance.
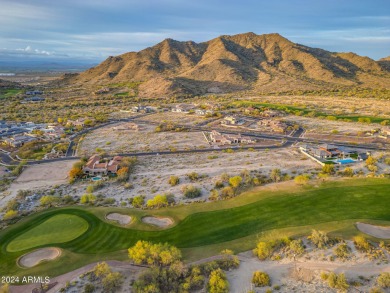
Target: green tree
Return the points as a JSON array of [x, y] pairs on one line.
[[144, 252], [218, 282]]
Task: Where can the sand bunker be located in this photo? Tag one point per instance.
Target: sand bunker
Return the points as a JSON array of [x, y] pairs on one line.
[[121, 219], [159, 222], [33, 258], [381, 232]]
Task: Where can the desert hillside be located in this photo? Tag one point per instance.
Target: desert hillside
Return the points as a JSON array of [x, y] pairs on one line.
[[240, 62]]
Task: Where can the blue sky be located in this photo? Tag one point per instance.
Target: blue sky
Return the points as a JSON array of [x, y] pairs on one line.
[[96, 29]]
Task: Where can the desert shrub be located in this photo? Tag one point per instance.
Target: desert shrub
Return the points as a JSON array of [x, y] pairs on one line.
[[384, 280], [342, 251], [193, 176], [235, 181], [302, 179], [109, 200], [338, 282], [227, 192], [261, 279], [361, 243], [48, 200], [88, 198], [265, 249], [229, 260], [328, 169], [319, 238], [219, 184], [158, 201], [214, 195], [348, 172], [194, 281], [12, 204], [89, 288], [138, 201], [218, 282], [173, 180], [191, 191], [296, 247], [10, 214]]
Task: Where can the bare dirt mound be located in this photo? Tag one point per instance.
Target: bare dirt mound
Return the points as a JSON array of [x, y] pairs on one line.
[[159, 222], [31, 259], [382, 232], [121, 219]]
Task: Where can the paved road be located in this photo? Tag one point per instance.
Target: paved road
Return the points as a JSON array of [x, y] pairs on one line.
[[286, 141]]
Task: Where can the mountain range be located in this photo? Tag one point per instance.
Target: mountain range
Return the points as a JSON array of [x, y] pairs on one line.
[[259, 63]]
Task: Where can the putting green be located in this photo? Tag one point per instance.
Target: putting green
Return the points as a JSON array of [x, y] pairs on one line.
[[57, 229], [84, 236]]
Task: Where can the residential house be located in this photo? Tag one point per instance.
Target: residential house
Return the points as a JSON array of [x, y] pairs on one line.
[[19, 140], [96, 166], [326, 151], [34, 93], [53, 131], [217, 137], [232, 120], [34, 99], [274, 125], [183, 108], [203, 112], [142, 109]]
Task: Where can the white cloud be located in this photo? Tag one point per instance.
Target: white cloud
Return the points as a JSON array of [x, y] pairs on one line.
[[28, 51]]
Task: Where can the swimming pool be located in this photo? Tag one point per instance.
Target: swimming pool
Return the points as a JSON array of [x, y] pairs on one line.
[[96, 178], [345, 161]]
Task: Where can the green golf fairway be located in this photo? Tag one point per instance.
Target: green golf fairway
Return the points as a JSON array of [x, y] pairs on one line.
[[57, 229], [197, 225]]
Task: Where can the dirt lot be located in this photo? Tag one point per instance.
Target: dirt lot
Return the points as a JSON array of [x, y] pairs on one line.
[[151, 173], [145, 140], [309, 266], [39, 176], [3, 171], [326, 126], [173, 117]]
